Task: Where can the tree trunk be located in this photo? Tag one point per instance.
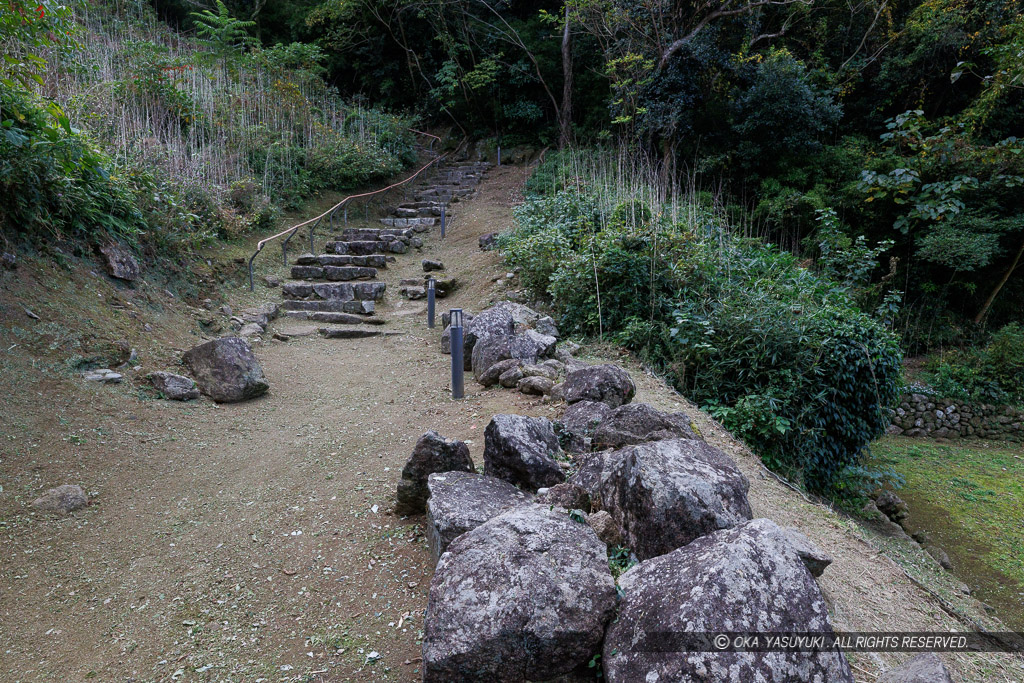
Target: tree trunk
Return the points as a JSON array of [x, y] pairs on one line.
[[1006, 276], [565, 115]]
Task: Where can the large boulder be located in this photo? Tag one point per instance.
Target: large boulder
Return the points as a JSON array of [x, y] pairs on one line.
[[524, 597], [665, 494], [490, 350], [742, 580], [226, 370], [593, 470], [813, 557], [521, 450], [924, 668], [62, 499], [491, 376], [636, 423], [174, 387], [605, 383], [579, 422], [432, 453], [462, 501], [493, 321], [120, 262]]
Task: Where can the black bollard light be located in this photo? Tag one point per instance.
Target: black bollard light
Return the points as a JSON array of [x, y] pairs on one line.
[[458, 387], [430, 302], [442, 221]]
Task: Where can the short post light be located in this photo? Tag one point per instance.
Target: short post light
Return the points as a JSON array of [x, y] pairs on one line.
[[458, 386]]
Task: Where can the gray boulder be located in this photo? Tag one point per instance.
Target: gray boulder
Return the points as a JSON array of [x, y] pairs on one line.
[[535, 386], [531, 344], [461, 501], [62, 499], [547, 326], [487, 242], [174, 387], [813, 558], [593, 471], [120, 262], [605, 383], [565, 495], [665, 494], [580, 421], [492, 322], [491, 349], [226, 370], [430, 265], [432, 453], [636, 423], [605, 527], [524, 597], [892, 506], [490, 377], [746, 579], [521, 450], [510, 378], [924, 668]]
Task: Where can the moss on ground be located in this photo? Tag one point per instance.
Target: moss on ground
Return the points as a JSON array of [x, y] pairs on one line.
[[969, 497]]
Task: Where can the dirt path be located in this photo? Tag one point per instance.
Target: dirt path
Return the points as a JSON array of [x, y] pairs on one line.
[[254, 541]]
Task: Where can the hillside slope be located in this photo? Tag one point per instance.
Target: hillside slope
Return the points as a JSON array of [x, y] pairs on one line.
[[252, 540]]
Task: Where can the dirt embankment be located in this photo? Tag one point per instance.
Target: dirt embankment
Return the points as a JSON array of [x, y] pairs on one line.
[[254, 541]]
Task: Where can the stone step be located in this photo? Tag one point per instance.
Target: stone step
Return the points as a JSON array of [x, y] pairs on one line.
[[335, 317], [354, 307], [366, 247], [369, 261], [406, 211], [333, 273], [376, 234], [353, 333], [420, 224], [424, 205], [340, 291]]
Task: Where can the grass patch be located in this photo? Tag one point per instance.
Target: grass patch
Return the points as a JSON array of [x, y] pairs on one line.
[[979, 486]]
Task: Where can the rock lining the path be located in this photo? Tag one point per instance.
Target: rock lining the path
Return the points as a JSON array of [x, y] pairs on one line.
[[432, 453], [461, 501], [522, 450], [174, 387], [62, 499], [524, 597], [226, 370]]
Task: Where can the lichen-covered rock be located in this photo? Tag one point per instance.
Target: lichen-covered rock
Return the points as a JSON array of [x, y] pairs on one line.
[[120, 262], [636, 423], [494, 321], [924, 668], [531, 345], [665, 494], [174, 387], [226, 370], [593, 471], [491, 376], [524, 597], [432, 453], [565, 495], [745, 579], [892, 506], [62, 499], [521, 451], [547, 326], [605, 383], [535, 386], [579, 423], [510, 378], [461, 501], [492, 349], [605, 527], [813, 558]]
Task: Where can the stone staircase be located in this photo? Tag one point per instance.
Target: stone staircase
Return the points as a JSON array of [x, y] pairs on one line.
[[340, 287]]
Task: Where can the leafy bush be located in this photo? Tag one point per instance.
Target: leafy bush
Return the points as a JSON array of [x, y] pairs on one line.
[[781, 355], [990, 374]]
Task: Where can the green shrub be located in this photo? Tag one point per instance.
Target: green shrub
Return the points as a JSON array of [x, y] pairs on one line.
[[991, 374], [781, 355]]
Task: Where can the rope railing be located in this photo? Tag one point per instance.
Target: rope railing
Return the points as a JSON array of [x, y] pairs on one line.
[[316, 220]]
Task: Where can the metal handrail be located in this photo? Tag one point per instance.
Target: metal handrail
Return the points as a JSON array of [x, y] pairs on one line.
[[315, 221]]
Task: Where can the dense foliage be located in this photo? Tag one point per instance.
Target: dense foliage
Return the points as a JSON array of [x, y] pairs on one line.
[[115, 127], [781, 355]]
